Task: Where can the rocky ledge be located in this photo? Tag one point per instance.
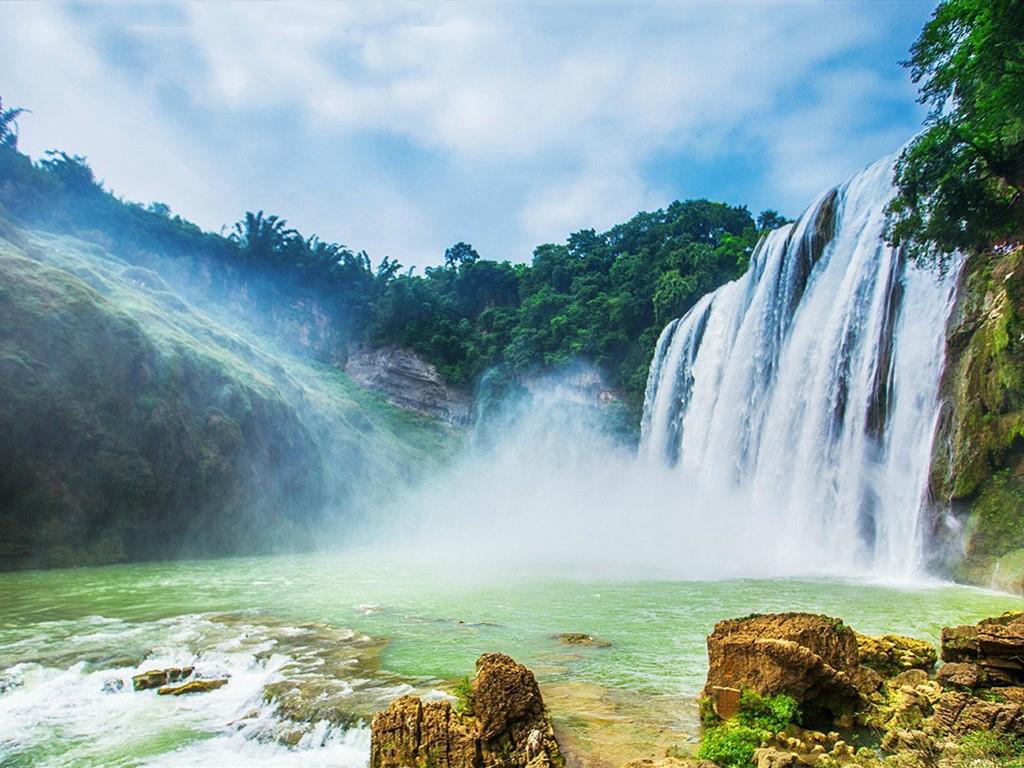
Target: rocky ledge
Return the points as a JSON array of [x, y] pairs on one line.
[[784, 689], [499, 719], [408, 381]]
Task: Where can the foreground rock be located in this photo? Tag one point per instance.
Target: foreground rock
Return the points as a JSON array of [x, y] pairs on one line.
[[192, 686], [809, 657], [155, 678], [989, 654], [501, 721], [890, 655], [972, 710]]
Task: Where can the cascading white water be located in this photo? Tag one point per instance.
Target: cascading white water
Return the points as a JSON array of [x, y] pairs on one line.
[[811, 384]]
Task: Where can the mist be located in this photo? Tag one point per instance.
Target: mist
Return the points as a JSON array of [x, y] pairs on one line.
[[548, 488]]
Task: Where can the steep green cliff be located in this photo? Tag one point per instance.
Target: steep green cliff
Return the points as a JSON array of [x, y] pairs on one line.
[[133, 425], [978, 463]]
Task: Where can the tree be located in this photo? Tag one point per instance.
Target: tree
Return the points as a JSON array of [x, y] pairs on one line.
[[261, 239], [9, 125], [770, 219], [960, 182], [72, 171], [459, 254]]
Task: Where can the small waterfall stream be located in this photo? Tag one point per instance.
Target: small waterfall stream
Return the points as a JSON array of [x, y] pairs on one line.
[[811, 384]]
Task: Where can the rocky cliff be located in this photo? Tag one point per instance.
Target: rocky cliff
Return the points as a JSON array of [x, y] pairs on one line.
[[408, 381], [978, 461], [133, 425]]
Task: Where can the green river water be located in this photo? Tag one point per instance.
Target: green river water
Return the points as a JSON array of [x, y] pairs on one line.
[[312, 645]]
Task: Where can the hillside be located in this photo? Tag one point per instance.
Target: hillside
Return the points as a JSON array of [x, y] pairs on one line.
[[137, 426]]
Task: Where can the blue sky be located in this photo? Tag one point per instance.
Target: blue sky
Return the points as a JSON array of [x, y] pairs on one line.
[[401, 128]]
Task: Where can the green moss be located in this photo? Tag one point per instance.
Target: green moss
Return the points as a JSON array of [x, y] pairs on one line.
[[767, 714], [984, 748], [731, 745]]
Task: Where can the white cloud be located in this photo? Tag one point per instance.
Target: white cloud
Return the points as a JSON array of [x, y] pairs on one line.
[[555, 111]]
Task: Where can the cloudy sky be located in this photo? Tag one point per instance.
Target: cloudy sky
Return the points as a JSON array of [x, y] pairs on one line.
[[404, 127]]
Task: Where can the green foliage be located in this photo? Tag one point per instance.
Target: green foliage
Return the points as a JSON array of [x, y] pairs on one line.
[[599, 297], [464, 696], [767, 714], [9, 125], [602, 297], [730, 745], [982, 749], [960, 182]]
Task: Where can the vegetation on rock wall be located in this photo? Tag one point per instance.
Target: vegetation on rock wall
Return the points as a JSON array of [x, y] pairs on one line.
[[978, 461], [599, 297], [132, 426], [960, 187]]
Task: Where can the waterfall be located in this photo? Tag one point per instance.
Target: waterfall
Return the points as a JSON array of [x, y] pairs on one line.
[[810, 384]]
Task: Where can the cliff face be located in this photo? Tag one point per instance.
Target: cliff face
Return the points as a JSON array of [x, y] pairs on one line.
[[407, 381], [978, 461], [133, 426]]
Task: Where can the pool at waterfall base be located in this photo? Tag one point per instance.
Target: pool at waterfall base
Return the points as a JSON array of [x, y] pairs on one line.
[[312, 645]]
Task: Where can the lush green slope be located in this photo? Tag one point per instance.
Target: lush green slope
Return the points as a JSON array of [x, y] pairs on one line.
[[599, 297], [133, 425]]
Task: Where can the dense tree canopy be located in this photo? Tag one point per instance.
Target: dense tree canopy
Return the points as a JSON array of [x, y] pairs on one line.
[[961, 180], [599, 297]]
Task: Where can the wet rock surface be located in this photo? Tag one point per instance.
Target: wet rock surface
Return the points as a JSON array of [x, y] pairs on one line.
[[581, 638], [502, 721], [987, 654], [192, 686], [157, 678]]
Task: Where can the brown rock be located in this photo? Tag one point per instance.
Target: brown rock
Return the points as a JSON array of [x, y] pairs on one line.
[[994, 646], [579, 638], [770, 757], [192, 686], [866, 680], [958, 713], [158, 677], [959, 643], [725, 701], [958, 674], [806, 656], [509, 725]]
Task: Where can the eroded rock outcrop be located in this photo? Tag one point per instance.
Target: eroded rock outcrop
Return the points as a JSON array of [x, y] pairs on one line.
[[408, 381], [501, 722], [892, 654], [156, 678], [809, 657], [974, 704], [989, 654]]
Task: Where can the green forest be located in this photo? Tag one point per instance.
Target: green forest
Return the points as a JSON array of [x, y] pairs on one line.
[[599, 296]]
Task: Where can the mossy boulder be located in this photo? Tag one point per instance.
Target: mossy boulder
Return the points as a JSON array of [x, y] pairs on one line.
[[891, 654]]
